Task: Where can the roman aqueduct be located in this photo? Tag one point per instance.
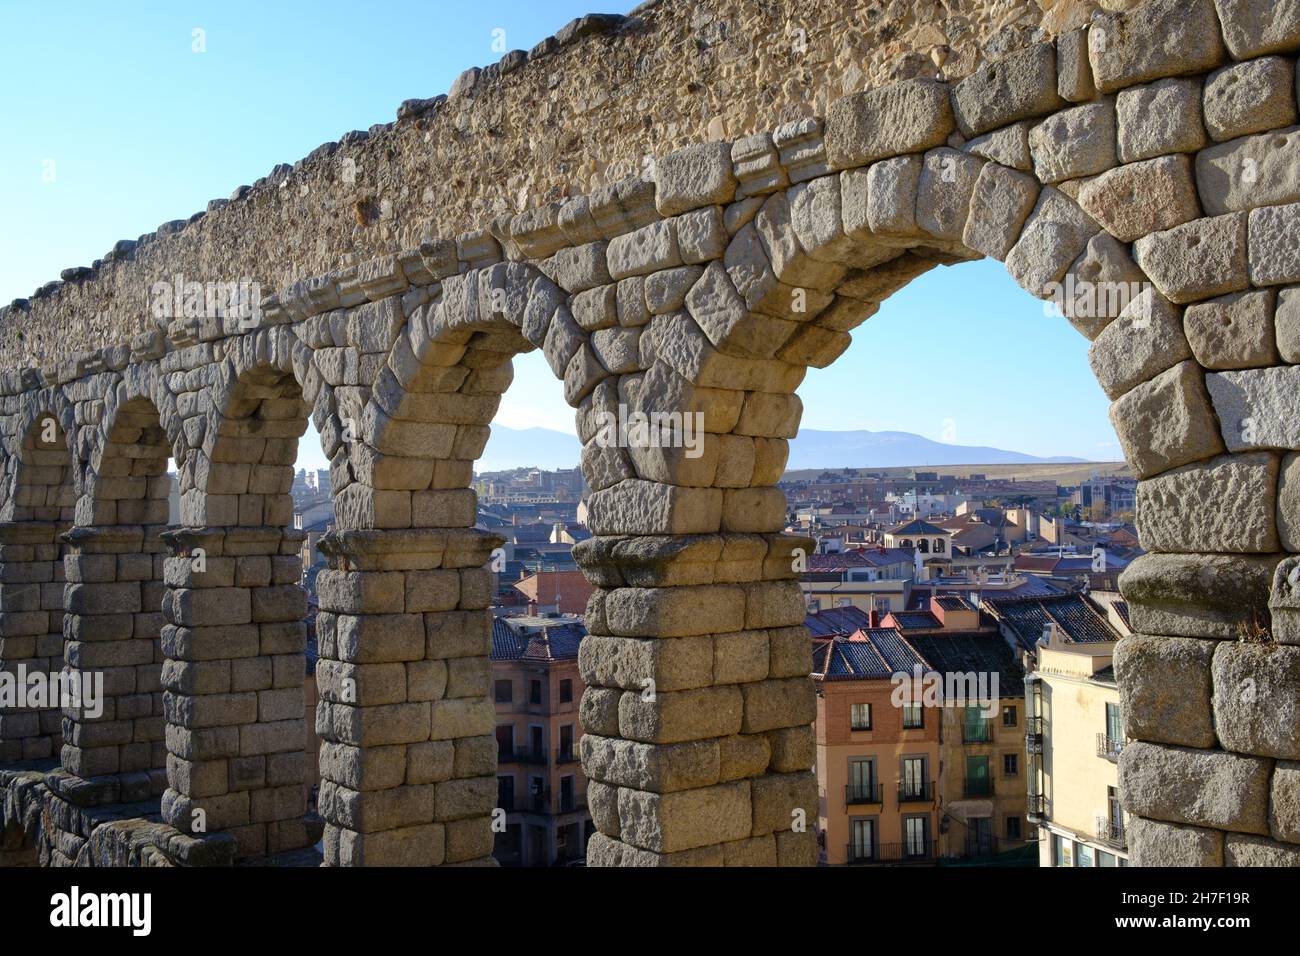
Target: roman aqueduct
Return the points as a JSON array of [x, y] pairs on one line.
[[1152, 148]]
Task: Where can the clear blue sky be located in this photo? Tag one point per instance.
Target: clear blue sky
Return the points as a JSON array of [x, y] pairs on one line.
[[113, 124]]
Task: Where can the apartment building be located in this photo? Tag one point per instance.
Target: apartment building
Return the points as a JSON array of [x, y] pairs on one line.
[[1075, 733], [876, 762], [920, 740], [540, 785]]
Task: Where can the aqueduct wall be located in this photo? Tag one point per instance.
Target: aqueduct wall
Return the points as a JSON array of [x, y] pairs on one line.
[[1153, 151]]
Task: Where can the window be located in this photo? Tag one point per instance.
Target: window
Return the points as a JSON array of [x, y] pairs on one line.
[[534, 692], [913, 717], [566, 742], [938, 545], [979, 781], [1013, 828], [914, 784], [505, 742], [1009, 715], [1010, 765], [916, 836], [566, 794], [862, 845], [504, 691], [862, 781], [506, 793], [975, 728], [1084, 855], [1105, 859], [566, 692], [1114, 728], [860, 717]]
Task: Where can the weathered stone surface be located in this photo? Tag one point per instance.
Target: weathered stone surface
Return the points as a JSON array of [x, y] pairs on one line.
[[1256, 707], [1055, 234], [1008, 146], [1197, 787], [943, 197], [1001, 203], [1197, 595], [1017, 87], [1286, 325], [1099, 286], [1172, 512], [1252, 171], [906, 117], [1164, 687], [1255, 27], [1284, 802], [1197, 260], [1074, 143], [1255, 406], [692, 177], [1274, 253], [1232, 332], [1150, 196], [1159, 38], [1144, 340], [1160, 118], [1156, 843], [1239, 850], [1250, 97], [1288, 503], [1167, 421]]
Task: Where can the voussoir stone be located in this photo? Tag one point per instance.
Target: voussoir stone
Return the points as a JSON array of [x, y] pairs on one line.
[[1144, 340], [1167, 421], [1075, 142], [1144, 197]]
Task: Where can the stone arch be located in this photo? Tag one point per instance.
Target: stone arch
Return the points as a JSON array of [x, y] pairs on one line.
[[235, 637], [113, 750], [37, 508]]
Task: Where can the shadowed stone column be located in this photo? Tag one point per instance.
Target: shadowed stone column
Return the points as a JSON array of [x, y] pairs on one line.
[[233, 687], [113, 598], [31, 634], [408, 755], [697, 744]]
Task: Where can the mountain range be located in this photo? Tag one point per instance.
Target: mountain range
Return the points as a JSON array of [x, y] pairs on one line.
[[548, 449]]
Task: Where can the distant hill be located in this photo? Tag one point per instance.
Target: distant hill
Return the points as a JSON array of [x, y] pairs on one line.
[[866, 449], [542, 448], [550, 450]]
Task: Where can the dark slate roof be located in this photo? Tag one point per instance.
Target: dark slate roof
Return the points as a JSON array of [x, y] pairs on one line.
[[954, 602], [964, 652], [916, 620], [1074, 614], [917, 526], [873, 654], [836, 621], [1106, 675], [557, 642]]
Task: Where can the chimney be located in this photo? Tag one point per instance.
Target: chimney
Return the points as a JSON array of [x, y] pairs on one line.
[[873, 619]]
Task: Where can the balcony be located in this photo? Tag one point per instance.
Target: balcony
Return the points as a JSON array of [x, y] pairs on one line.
[[1034, 735], [916, 791], [917, 851], [1109, 747], [981, 733], [522, 755], [573, 804], [1036, 810], [978, 786], [856, 795], [563, 756], [1112, 833]]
